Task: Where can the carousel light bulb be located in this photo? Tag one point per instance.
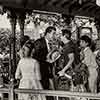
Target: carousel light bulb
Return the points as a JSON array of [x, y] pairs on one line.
[[80, 2], [1, 9], [98, 2]]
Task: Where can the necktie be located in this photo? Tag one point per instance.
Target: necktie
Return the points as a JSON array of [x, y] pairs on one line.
[[50, 46]]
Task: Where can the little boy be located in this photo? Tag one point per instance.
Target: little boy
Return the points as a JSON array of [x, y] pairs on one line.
[[90, 61]]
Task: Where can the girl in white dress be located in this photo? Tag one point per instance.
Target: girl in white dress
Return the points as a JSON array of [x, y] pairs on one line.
[[28, 71]]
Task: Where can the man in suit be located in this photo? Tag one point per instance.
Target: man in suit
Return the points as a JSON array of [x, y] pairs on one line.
[[42, 48]]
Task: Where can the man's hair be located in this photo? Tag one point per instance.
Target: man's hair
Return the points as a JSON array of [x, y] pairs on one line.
[[86, 39], [49, 29], [67, 33]]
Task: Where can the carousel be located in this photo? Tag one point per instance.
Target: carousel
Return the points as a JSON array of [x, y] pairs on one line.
[[17, 10]]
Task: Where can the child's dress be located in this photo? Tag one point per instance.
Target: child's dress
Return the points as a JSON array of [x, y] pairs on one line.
[[29, 74]]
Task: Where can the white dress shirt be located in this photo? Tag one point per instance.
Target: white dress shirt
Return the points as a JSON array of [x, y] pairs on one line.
[[47, 42]]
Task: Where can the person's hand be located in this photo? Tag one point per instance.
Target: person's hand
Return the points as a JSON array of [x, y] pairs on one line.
[[61, 73], [49, 60]]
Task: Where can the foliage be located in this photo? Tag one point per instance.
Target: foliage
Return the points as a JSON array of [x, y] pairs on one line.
[[4, 38], [55, 20]]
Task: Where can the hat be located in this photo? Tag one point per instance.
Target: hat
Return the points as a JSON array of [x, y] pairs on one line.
[[53, 56]]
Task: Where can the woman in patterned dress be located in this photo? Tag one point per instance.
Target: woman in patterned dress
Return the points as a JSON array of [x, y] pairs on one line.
[[64, 63]]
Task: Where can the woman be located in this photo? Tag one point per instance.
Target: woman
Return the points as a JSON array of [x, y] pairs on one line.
[[64, 63], [28, 71], [68, 58]]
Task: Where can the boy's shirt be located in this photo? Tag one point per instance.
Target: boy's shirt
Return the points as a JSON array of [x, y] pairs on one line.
[[89, 58]]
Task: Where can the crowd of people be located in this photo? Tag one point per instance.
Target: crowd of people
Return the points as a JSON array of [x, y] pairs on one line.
[[57, 64]]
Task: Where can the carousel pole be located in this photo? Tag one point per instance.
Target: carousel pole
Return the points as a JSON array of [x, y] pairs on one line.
[[12, 67], [21, 21]]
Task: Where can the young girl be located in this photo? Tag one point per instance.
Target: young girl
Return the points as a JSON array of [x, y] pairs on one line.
[[28, 71], [90, 62]]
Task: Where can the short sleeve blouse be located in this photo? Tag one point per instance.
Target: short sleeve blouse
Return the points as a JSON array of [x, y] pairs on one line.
[[67, 49]]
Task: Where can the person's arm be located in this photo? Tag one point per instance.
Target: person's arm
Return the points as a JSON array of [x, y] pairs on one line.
[[18, 74], [71, 59]]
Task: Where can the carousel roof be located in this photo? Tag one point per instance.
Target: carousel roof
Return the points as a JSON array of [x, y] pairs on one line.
[[73, 7]]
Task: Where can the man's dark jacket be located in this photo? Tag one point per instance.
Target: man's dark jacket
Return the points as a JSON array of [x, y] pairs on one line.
[[40, 54]]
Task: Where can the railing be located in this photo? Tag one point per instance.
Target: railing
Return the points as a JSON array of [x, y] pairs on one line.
[[11, 92]]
